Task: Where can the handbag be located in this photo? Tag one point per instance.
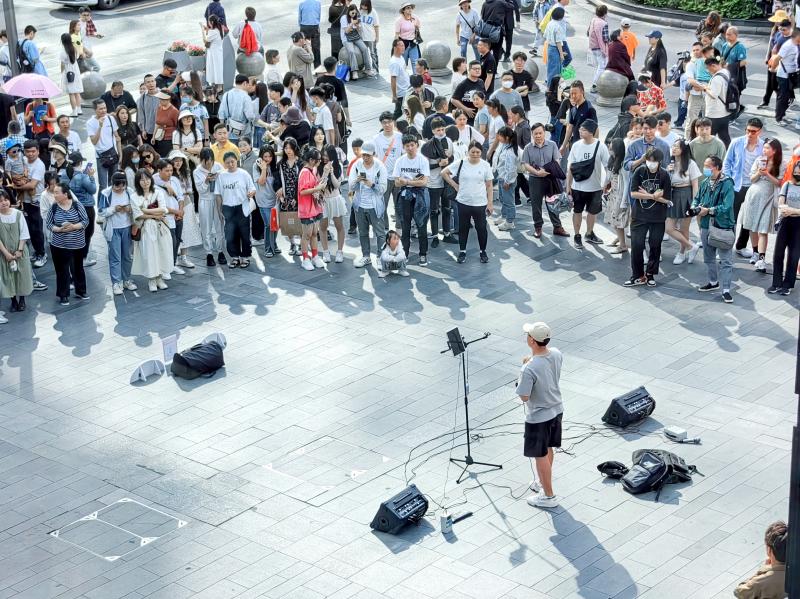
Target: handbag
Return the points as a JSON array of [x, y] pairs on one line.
[[353, 35], [722, 239], [583, 169], [488, 31], [70, 76], [108, 158], [417, 37], [136, 232], [273, 219]]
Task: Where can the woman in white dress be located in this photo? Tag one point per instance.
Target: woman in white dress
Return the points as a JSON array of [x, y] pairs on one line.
[[152, 253], [212, 38], [71, 81], [335, 206], [190, 234]]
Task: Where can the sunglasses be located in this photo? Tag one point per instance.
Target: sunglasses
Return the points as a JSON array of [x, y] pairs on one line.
[[12, 152]]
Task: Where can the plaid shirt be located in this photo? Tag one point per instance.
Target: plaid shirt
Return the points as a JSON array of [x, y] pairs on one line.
[[91, 30], [19, 138]]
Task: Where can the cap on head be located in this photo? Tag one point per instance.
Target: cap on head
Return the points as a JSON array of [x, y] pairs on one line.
[[656, 34], [368, 148], [625, 23], [538, 331], [76, 158]]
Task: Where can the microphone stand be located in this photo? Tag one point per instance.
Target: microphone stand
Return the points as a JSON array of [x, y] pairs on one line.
[[468, 460]]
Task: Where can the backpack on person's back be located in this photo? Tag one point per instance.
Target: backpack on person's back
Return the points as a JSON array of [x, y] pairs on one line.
[[25, 63], [732, 94]]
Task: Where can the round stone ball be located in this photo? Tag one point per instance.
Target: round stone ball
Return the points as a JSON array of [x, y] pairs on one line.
[[94, 85], [438, 56], [344, 56], [251, 66], [610, 88]]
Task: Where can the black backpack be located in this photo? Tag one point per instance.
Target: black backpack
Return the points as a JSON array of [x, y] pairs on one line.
[[732, 99], [203, 359], [654, 468], [26, 65]]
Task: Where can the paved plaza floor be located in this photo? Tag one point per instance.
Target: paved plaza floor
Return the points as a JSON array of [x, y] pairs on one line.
[[262, 481]]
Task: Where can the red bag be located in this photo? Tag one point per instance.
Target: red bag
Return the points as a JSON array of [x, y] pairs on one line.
[[273, 219]]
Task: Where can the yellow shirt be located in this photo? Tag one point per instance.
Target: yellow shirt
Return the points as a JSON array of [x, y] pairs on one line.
[[220, 151]]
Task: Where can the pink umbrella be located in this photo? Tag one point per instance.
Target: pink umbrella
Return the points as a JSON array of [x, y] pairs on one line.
[[31, 85]]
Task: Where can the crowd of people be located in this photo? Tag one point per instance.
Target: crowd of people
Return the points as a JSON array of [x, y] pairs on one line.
[[272, 162]]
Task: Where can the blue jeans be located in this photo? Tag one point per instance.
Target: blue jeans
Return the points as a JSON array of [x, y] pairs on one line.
[[270, 237], [553, 63], [506, 196], [411, 53], [120, 252], [722, 274], [464, 42]]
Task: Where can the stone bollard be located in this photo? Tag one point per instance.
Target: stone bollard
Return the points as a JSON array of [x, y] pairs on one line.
[[251, 66], [610, 88], [344, 56], [438, 56], [94, 86], [533, 68]]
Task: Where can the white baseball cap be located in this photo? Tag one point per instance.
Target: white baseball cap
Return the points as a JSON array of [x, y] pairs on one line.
[[539, 331]]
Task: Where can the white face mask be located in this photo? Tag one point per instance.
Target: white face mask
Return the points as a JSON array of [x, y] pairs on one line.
[[508, 84], [652, 165], [442, 136]]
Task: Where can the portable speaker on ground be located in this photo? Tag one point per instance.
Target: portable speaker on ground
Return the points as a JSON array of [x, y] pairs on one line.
[[407, 507], [632, 407]]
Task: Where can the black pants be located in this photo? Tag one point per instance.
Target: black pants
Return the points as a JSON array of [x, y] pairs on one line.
[[90, 212], [522, 186], [772, 86], [785, 93], [639, 231], [64, 263], [312, 33], [398, 108], [407, 205], [437, 207], [176, 233], [477, 215], [508, 34], [353, 223], [788, 238], [497, 49], [257, 225], [536, 189], [719, 127], [237, 232], [33, 218], [744, 235]]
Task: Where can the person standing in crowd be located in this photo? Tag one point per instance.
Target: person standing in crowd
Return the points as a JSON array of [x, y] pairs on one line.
[[211, 230], [466, 23], [222, 145], [165, 125], [738, 164], [370, 31], [584, 180], [538, 159], [715, 203], [617, 206], [67, 221], [651, 191], [464, 94], [71, 82], [118, 96], [29, 51], [236, 109], [493, 12], [334, 208], [781, 32], [787, 245], [212, 38], [411, 174], [696, 77], [555, 39], [655, 62], [758, 210], [309, 206], [628, 38], [146, 108], [216, 9], [580, 111], [152, 250], [784, 61], [538, 388], [705, 144], [388, 145], [472, 179], [74, 142], [335, 12], [598, 41], [439, 152], [407, 28], [685, 181], [300, 58], [31, 192], [83, 188], [734, 58], [234, 188], [286, 191], [265, 172], [16, 275], [400, 81], [716, 109], [507, 95], [650, 96], [769, 581], [368, 183], [619, 61], [244, 41], [114, 205]]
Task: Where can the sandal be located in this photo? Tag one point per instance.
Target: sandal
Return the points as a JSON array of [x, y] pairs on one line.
[[613, 244], [244, 263], [233, 263], [619, 250]]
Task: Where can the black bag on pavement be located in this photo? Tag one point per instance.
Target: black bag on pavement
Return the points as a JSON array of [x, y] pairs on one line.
[[203, 359], [654, 468]]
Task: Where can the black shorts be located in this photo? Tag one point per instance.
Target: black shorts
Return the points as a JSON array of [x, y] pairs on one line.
[[591, 201], [542, 435], [312, 220]]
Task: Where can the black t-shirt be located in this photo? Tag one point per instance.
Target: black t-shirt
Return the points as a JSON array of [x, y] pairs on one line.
[[654, 62], [520, 79], [112, 103], [6, 103], [426, 126], [650, 211], [578, 114], [488, 67], [464, 91], [338, 86], [301, 133]]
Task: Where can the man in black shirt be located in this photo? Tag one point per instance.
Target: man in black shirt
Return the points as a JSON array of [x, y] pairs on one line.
[[488, 66], [630, 108], [330, 77], [462, 96], [523, 82], [581, 110], [440, 111], [118, 96], [425, 95], [169, 80], [651, 191]]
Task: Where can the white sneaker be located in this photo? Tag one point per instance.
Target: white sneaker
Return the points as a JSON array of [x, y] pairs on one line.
[[745, 253], [382, 274], [692, 253], [326, 257], [507, 226], [161, 284], [542, 500], [402, 272], [761, 266], [3, 320], [185, 262], [362, 262], [319, 262], [40, 261], [178, 270], [130, 285], [680, 258], [151, 285], [499, 221], [339, 257], [86, 262], [535, 486], [306, 264], [116, 288], [753, 258], [166, 277]]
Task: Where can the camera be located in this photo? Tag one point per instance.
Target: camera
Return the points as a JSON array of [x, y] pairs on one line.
[[684, 55], [691, 211], [549, 127]]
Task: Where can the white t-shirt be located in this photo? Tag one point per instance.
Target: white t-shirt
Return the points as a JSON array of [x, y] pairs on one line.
[[106, 141], [324, 118], [495, 124], [788, 63], [234, 187], [670, 137], [10, 219], [715, 107], [582, 151], [692, 173], [369, 22], [173, 203], [74, 142], [36, 171], [383, 152], [397, 68], [411, 168], [120, 220], [471, 181]]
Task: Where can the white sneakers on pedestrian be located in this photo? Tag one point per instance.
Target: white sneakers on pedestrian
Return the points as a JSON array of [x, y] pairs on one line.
[[761, 266], [382, 274], [362, 261], [507, 226], [535, 486], [326, 257], [306, 264], [542, 500], [185, 262], [402, 272], [151, 285], [116, 288], [177, 270], [339, 257], [161, 284], [3, 319], [680, 258], [745, 253], [753, 257], [318, 262], [499, 221], [130, 285], [692, 253], [40, 261]]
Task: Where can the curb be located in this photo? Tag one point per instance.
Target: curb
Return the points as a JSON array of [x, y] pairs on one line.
[[678, 18]]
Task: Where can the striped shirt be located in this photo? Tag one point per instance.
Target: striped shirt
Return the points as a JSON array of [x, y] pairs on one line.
[[57, 217]]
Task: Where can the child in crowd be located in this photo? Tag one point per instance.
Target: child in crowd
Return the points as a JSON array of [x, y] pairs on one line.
[[628, 38], [393, 258]]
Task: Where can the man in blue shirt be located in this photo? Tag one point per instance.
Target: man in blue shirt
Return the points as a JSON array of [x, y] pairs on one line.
[[308, 16], [635, 155]]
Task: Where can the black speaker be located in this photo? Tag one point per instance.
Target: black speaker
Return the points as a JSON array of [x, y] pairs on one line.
[[632, 407], [407, 507]]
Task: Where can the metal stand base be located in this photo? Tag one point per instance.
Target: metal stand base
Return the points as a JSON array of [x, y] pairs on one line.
[[468, 461]]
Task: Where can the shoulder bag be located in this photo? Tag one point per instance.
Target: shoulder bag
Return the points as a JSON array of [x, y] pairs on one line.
[[583, 170], [236, 127], [722, 239]]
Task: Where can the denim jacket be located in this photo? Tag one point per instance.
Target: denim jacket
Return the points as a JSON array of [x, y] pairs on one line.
[[733, 165], [719, 202], [84, 188]]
